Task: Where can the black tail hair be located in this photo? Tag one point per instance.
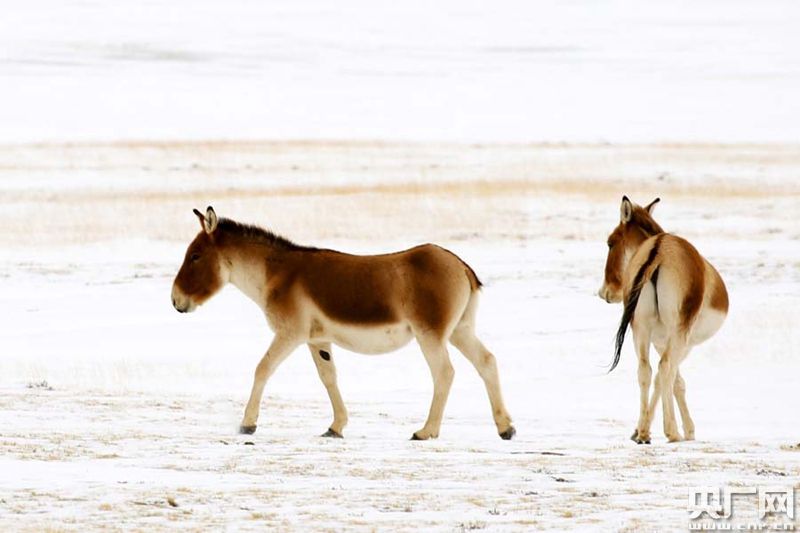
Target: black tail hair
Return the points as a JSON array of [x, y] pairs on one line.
[[632, 301]]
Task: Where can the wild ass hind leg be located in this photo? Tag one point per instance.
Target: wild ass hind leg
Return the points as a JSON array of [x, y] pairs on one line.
[[680, 397], [435, 351], [668, 403], [485, 363], [321, 353], [278, 351], [641, 337], [655, 398], [663, 390], [676, 356]]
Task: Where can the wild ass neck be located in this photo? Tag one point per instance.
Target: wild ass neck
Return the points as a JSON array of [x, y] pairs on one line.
[[248, 270]]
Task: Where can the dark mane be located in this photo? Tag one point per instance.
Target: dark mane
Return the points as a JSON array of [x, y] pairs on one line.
[[256, 234], [641, 218]]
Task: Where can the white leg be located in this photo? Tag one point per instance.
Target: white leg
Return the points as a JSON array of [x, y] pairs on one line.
[[663, 368], [680, 397], [668, 402], [442, 372], [663, 391], [642, 340], [323, 358], [485, 363], [277, 352]]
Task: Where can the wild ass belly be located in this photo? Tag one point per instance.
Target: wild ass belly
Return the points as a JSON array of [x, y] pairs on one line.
[[663, 320], [705, 326], [366, 339]]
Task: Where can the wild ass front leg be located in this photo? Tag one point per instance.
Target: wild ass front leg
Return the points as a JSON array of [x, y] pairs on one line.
[[277, 352], [442, 373], [321, 353], [485, 363], [641, 435]]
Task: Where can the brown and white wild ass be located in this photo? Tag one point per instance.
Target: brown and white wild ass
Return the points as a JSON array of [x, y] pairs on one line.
[[673, 298], [368, 304]]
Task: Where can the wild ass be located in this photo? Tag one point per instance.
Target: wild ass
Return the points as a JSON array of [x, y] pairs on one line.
[[673, 298], [368, 304]]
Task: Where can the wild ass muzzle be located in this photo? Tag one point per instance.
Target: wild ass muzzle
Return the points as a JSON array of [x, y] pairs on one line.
[[367, 304], [673, 299]]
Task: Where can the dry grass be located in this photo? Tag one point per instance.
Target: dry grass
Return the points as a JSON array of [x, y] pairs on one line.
[[329, 190]]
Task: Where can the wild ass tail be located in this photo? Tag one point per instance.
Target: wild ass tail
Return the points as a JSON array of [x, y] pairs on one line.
[[474, 283], [648, 271]]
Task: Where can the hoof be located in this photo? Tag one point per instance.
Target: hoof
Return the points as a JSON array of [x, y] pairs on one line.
[[247, 430], [635, 438], [332, 434], [416, 437], [509, 433]]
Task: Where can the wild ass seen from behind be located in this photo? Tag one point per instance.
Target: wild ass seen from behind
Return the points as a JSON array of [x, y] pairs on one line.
[[368, 304], [673, 298]]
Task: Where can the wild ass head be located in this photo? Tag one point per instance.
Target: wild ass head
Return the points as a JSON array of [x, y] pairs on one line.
[[202, 273], [635, 226]]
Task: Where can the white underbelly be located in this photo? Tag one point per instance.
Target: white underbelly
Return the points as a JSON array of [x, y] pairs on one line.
[[373, 339], [706, 325]]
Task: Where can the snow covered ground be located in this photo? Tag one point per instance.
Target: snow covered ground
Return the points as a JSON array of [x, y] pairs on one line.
[[116, 412], [500, 70], [506, 131]]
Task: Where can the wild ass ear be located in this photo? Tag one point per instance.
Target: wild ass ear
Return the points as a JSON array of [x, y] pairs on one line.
[[651, 206], [201, 218], [210, 221], [625, 210]]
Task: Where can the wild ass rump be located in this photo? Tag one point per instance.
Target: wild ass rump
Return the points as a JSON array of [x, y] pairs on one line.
[[367, 304]]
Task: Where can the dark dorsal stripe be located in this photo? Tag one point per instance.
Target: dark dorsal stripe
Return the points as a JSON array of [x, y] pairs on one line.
[[643, 220], [248, 232]]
